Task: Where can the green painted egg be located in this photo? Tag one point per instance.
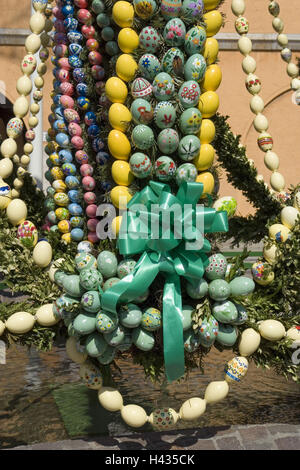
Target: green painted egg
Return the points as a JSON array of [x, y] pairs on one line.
[[149, 39], [110, 282], [165, 168], [225, 312], [107, 264], [194, 40], [197, 290], [126, 343], [186, 172], [173, 61], [90, 301], [242, 286], [145, 8], [190, 121], [174, 32], [189, 94], [142, 297], [192, 11], [149, 66], [170, 8], [59, 278], [242, 315], [219, 289], [164, 115], [227, 335], [116, 337], [142, 339], [126, 267], [71, 331], [189, 147], [85, 260], [191, 341], [168, 141], [208, 331], [90, 279], [141, 111], [108, 356], [216, 268], [106, 322], [163, 86], [72, 285], [95, 345], [130, 315], [187, 311], [140, 165], [49, 204], [61, 304], [84, 323], [195, 68], [151, 319], [142, 137]]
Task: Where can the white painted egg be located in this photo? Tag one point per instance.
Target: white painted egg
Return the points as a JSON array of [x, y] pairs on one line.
[[294, 334], [271, 160], [257, 104], [32, 43], [269, 253], [277, 181], [20, 322], [292, 70], [192, 409], [245, 45], [289, 216], [134, 415], [238, 7], [73, 351], [45, 316], [282, 40], [54, 267], [42, 254], [216, 391], [272, 330], [249, 342], [110, 398], [21, 107], [249, 64], [261, 123], [37, 23], [279, 232], [278, 25], [163, 418], [16, 212], [24, 85], [6, 168], [2, 327], [9, 148]]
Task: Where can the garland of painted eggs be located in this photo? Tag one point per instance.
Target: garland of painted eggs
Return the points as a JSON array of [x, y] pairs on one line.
[[253, 85], [286, 54]]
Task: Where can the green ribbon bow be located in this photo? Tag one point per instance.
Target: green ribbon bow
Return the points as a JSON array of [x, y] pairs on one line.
[[164, 249]]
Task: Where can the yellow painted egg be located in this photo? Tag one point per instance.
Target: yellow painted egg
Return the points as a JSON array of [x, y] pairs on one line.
[[288, 216], [211, 50], [2, 327], [192, 409], [216, 391], [214, 21], [212, 78], [211, 4], [45, 316], [249, 342], [120, 196], [279, 232], [272, 330], [20, 322], [207, 131], [8, 148], [5, 194], [118, 144], [123, 14], [66, 237], [205, 158], [121, 173], [16, 212], [73, 351], [128, 40], [6, 167], [64, 226], [134, 415], [119, 117], [116, 224], [110, 398], [42, 254], [269, 253], [116, 90], [208, 182], [126, 67], [208, 104]]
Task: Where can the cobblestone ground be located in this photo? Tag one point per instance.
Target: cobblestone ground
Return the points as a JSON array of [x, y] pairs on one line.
[[262, 437]]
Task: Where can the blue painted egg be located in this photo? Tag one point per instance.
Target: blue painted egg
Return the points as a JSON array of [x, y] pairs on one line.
[[59, 125], [75, 209], [74, 195], [59, 112], [65, 156], [75, 49], [90, 117], [70, 23], [62, 139], [56, 99], [82, 89], [77, 234], [76, 221], [79, 75], [75, 61], [72, 182], [83, 102], [93, 130], [69, 169], [68, 10], [102, 158], [75, 36], [98, 144]]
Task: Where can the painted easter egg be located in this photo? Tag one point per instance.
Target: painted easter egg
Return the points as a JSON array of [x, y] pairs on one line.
[[225, 312], [164, 115], [163, 86], [187, 311], [145, 8], [242, 285], [173, 61], [227, 335], [227, 204], [208, 331], [189, 94], [62, 213], [108, 356], [115, 337], [140, 165], [242, 315], [165, 168], [107, 264], [141, 88], [194, 40], [61, 199], [189, 147], [142, 137], [27, 234], [95, 345], [5, 195], [142, 112], [168, 141], [91, 376], [163, 418], [106, 322], [190, 121], [130, 315], [90, 279], [143, 339], [186, 172], [90, 301], [279, 232], [198, 289], [14, 127], [125, 267], [110, 283], [191, 341], [151, 319], [261, 273], [216, 268], [85, 260], [236, 369], [195, 68], [174, 32], [149, 39], [149, 66], [219, 289], [72, 286], [170, 8]]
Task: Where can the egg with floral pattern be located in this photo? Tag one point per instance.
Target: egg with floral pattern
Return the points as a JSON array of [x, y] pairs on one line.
[[189, 147], [149, 39], [14, 127], [227, 204], [125, 267], [106, 322], [142, 137], [145, 8], [187, 172], [141, 88], [208, 331], [190, 121], [174, 32], [85, 260], [194, 40], [164, 115], [27, 234], [149, 66], [165, 168], [90, 301], [191, 341], [195, 68], [141, 111], [163, 87], [168, 141], [62, 213], [189, 94], [219, 289], [140, 165], [170, 8], [192, 10], [85, 247], [90, 279], [151, 319], [216, 268], [91, 376], [173, 61]]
